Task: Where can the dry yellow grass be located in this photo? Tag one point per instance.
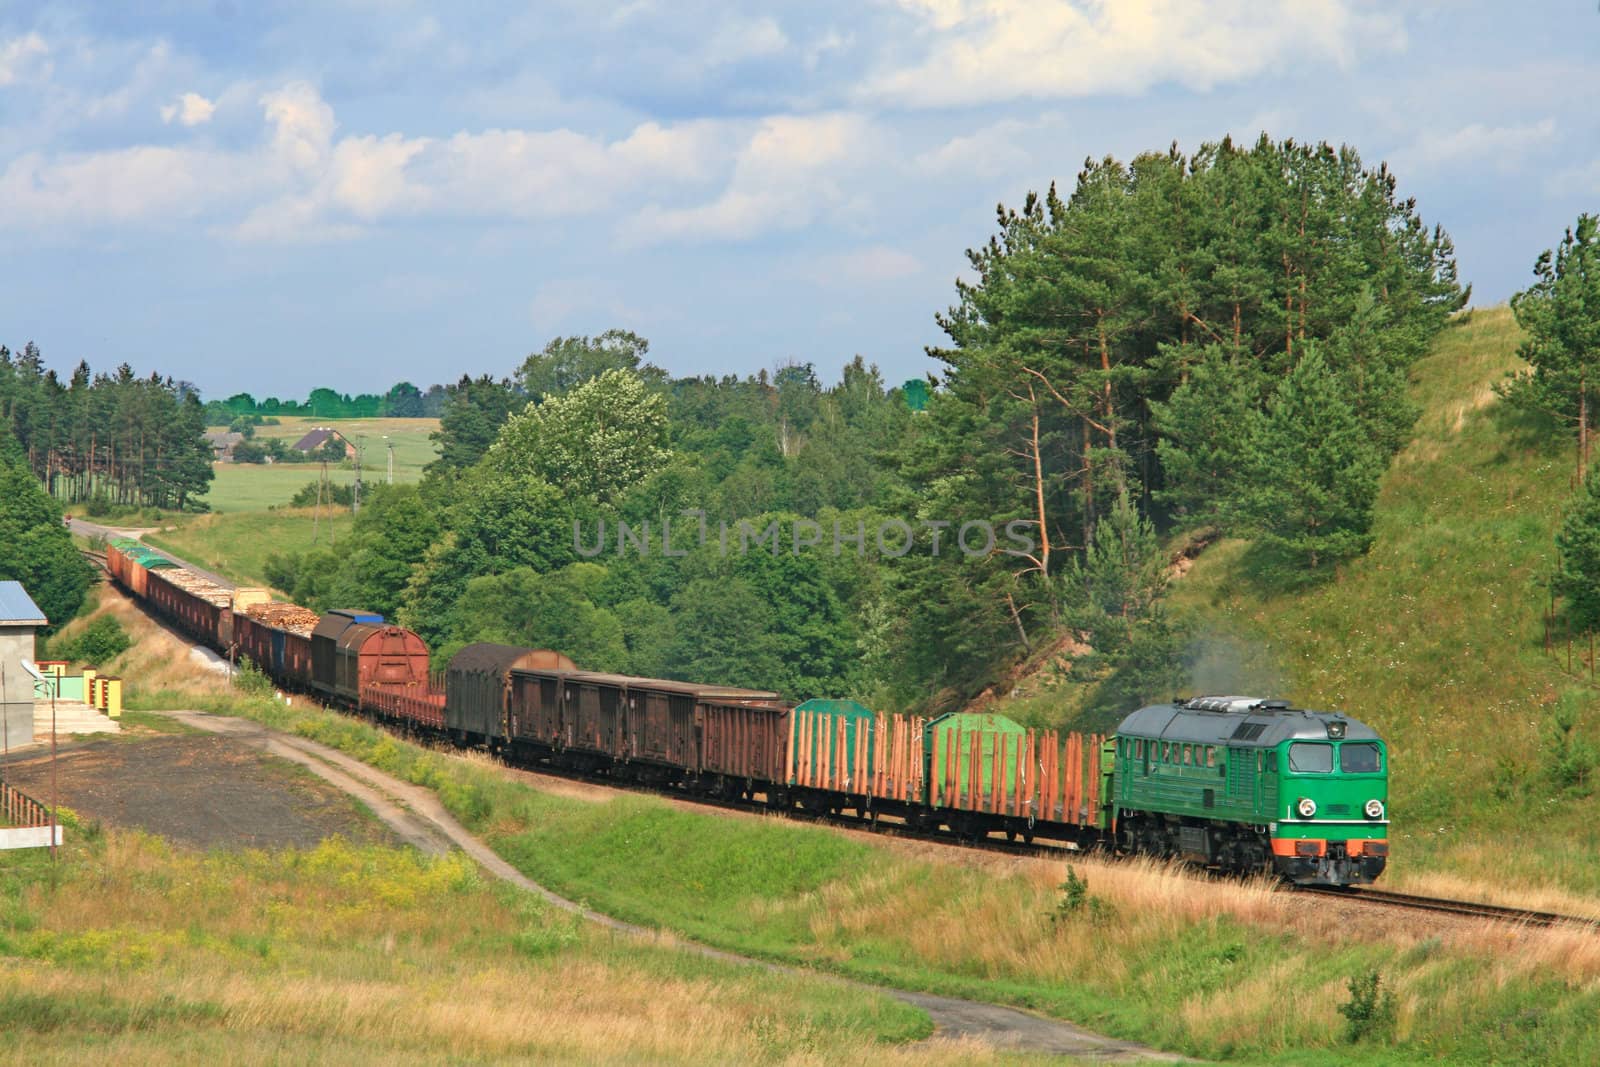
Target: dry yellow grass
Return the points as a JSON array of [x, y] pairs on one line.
[[345, 954]]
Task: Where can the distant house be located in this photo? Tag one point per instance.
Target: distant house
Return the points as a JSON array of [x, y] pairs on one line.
[[222, 442], [319, 437], [19, 618]]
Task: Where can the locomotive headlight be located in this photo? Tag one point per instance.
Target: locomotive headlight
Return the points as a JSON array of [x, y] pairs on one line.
[[1374, 809], [1307, 807]]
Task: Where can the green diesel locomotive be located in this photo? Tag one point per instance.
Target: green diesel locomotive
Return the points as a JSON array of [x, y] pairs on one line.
[[1242, 784]]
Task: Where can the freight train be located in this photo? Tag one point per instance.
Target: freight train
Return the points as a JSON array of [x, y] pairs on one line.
[[1232, 783]]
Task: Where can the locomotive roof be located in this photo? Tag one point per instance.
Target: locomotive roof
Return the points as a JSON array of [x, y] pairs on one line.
[[1240, 721]]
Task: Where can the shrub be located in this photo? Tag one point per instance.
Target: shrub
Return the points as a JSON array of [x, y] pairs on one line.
[[1371, 1010], [249, 678], [331, 493], [1077, 902], [101, 641], [1570, 758]]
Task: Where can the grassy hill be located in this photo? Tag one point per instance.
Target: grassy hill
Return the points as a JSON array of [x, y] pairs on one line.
[[1436, 636], [237, 545]]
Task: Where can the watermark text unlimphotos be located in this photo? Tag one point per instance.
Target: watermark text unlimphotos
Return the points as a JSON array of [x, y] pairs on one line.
[[889, 538]]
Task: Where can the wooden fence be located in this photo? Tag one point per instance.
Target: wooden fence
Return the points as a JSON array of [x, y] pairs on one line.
[[19, 809]]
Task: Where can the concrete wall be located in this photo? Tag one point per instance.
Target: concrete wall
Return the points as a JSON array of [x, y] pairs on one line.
[[16, 700]]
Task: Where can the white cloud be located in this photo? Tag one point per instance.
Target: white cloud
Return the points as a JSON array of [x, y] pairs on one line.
[[142, 183], [21, 56], [192, 109], [981, 51], [1501, 147], [739, 40], [784, 177], [302, 123], [992, 151], [334, 184], [304, 179]]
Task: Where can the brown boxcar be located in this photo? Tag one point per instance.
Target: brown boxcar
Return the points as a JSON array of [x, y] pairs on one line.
[[744, 739], [629, 719], [369, 654], [478, 686]]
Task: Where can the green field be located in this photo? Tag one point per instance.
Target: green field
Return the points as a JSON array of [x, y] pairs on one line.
[[256, 487], [237, 545]]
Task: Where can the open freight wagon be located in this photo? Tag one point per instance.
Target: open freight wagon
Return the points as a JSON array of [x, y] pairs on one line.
[[972, 773]]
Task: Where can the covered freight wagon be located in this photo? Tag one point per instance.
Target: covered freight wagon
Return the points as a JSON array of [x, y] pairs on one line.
[[743, 742], [621, 717], [478, 687], [378, 655], [325, 644]]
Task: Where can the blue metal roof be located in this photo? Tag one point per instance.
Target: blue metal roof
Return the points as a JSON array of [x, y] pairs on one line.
[[17, 607]]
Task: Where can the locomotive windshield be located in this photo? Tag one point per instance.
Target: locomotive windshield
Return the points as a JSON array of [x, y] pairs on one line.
[[1313, 757], [1360, 758]]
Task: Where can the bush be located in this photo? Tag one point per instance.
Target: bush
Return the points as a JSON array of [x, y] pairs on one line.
[[1077, 902], [248, 678], [1371, 1010], [332, 493], [102, 641], [1570, 757]]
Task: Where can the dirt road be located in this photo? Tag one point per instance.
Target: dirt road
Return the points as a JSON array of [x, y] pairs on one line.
[[197, 790], [416, 815]]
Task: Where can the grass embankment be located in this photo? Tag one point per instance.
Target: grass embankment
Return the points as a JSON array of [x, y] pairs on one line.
[[1221, 971], [131, 951], [237, 545], [1436, 636]]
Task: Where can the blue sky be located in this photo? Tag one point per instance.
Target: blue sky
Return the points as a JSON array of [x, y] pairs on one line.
[[271, 197]]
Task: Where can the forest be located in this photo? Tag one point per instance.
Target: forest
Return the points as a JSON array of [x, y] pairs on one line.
[[1181, 346], [402, 401], [110, 438]]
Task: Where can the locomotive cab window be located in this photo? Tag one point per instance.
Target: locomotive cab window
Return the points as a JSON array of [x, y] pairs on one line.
[[1360, 757], [1311, 757], [1211, 756]]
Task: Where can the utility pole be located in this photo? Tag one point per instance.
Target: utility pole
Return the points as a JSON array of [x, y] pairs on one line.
[[355, 497], [390, 446]]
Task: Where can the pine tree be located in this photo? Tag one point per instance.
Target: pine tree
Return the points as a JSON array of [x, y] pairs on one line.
[[1313, 467], [1561, 314], [1578, 575]]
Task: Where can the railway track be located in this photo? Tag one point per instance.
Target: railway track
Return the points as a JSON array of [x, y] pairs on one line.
[[890, 826], [1440, 906]]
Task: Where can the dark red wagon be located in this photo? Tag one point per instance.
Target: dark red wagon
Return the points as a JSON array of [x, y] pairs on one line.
[[478, 687], [618, 718], [380, 656]]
